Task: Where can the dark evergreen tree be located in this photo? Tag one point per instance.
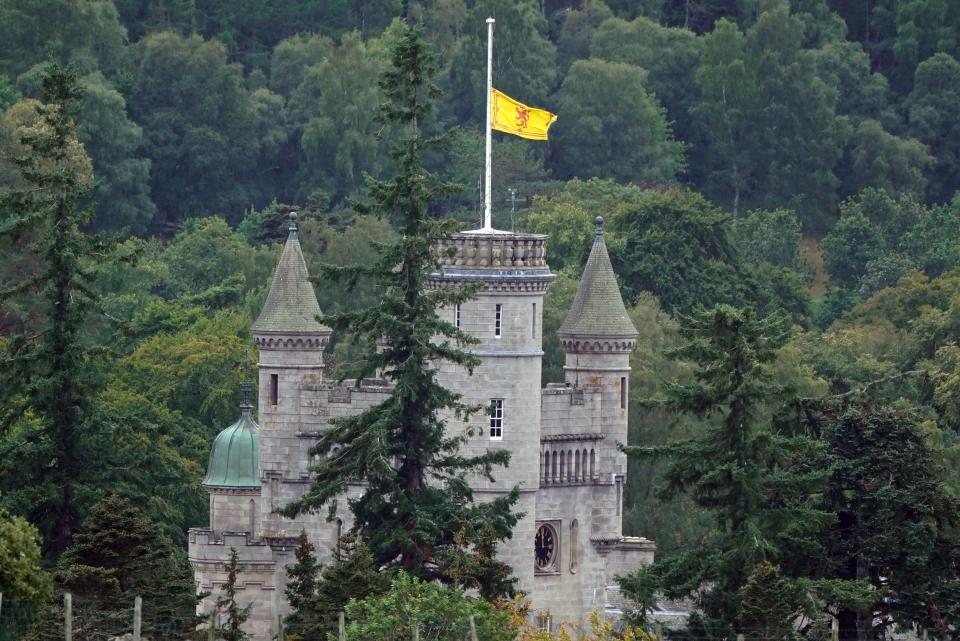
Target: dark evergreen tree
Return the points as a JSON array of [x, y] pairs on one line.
[[896, 525], [301, 591], [755, 481], [352, 574], [47, 378], [117, 555], [416, 497], [231, 614]]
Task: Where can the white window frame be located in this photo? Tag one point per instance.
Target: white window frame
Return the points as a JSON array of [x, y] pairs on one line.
[[496, 419], [456, 316], [498, 320]]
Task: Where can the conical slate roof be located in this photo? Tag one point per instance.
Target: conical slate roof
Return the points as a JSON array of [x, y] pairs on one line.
[[598, 307], [235, 455], [291, 305]]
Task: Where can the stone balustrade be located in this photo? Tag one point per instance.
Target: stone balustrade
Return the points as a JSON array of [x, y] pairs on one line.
[[493, 251]]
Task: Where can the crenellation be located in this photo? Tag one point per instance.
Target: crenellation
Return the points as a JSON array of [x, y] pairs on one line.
[[562, 439]]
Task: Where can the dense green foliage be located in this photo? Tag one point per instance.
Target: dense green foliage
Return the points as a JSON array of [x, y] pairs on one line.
[[116, 556], [438, 611], [204, 107], [796, 156], [318, 595]]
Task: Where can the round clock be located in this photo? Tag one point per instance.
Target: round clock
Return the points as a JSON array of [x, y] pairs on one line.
[[545, 547]]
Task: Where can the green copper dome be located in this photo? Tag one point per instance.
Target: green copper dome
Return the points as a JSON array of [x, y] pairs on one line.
[[235, 455]]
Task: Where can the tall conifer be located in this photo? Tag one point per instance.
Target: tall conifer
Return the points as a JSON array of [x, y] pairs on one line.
[[755, 481], [46, 365], [416, 497]]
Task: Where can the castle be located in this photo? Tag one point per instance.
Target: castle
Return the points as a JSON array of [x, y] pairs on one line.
[[567, 548]]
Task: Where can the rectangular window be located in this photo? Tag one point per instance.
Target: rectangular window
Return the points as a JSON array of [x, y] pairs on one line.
[[496, 419], [274, 389], [623, 392], [533, 322], [498, 321], [456, 316]]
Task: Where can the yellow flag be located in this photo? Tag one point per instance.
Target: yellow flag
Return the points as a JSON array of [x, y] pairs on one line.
[[512, 117]]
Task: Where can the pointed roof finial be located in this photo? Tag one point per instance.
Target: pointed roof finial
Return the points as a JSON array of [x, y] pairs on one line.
[[293, 223], [598, 221]]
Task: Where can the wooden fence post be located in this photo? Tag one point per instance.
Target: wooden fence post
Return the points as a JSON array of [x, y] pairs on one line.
[[341, 626], [137, 617], [473, 629], [68, 616]]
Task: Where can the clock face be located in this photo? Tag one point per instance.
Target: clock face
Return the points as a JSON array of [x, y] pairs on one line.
[[545, 546]]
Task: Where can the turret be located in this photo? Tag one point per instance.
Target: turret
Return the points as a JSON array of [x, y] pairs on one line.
[[291, 342], [505, 315], [233, 474], [598, 337]]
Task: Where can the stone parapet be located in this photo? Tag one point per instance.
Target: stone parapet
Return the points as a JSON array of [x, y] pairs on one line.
[[486, 251]]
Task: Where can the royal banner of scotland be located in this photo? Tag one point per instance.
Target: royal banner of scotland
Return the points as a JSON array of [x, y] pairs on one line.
[[512, 117]]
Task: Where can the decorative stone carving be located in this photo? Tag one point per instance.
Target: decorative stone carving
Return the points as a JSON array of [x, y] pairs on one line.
[[484, 251]]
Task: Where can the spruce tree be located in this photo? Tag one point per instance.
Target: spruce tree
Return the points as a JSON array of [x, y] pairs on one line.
[[47, 374], [117, 555], [755, 481], [415, 496], [301, 591], [231, 614]]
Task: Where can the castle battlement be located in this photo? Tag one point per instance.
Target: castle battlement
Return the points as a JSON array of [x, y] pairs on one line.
[[568, 544]]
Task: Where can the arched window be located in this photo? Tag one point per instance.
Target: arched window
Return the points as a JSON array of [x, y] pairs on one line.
[[541, 465], [553, 468], [593, 465], [586, 471], [563, 466], [576, 467], [253, 519], [338, 533]]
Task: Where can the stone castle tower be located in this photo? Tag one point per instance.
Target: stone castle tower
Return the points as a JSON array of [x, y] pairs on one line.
[[569, 545]]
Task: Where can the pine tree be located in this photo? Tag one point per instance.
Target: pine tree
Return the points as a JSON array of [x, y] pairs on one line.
[[896, 525], [47, 374], [352, 574], [231, 614], [755, 480], [301, 591], [117, 555], [415, 497]]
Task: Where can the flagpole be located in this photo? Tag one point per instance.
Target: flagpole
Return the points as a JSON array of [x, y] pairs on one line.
[[488, 165]]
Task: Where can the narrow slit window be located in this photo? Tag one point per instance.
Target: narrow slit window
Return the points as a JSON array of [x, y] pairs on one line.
[[274, 389], [623, 392], [533, 322], [498, 321], [456, 316], [496, 419]]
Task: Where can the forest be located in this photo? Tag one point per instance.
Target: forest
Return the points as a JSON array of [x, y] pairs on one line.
[[779, 180]]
